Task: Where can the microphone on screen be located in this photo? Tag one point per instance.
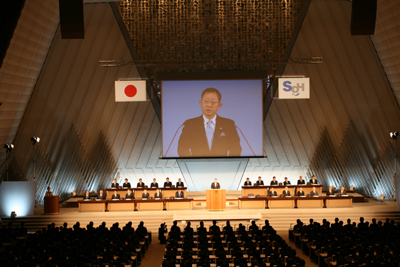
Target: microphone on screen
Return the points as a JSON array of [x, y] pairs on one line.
[[183, 124], [246, 140]]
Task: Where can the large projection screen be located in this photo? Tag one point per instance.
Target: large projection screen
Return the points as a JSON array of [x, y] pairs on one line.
[[238, 119]]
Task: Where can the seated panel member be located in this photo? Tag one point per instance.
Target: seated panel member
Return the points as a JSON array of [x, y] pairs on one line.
[[86, 196], [272, 193], [114, 184], [286, 182], [274, 181], [145, 195], [167, 184], [126, 184], [140, 184], [301, 181], [342, 192], [101, 195], [180, 183], [314, 192], [158, 194], [179, 194], [330, 191], [259, 181], [313, 180], [248, 182], [300, 192], [129, 195], [115, 195], [286, 192], [154, 183], [215, 184]]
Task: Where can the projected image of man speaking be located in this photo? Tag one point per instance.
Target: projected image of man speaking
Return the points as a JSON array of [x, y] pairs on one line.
[[209, 135]]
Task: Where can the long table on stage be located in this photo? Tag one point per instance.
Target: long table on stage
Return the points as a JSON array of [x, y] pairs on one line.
[[92, 205], [336, 202], [137, 192], [136, 204], [263, 190], [294, 202]]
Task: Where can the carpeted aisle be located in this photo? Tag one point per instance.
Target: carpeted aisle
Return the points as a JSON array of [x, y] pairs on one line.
[[155, 253]]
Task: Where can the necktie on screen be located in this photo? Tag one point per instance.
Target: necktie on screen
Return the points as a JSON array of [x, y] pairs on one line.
[[209, 134]]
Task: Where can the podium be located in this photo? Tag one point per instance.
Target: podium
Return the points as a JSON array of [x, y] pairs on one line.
[[52, 204], [216, 199]]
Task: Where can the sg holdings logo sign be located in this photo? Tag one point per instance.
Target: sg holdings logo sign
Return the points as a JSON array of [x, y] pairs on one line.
[[294, 88]]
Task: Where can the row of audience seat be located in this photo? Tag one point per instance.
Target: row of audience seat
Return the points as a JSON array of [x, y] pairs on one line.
[[352, 245], [76, 246], [228, 247]]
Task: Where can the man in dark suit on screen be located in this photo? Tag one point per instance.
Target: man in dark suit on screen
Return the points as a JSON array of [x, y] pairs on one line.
[[209, 135]]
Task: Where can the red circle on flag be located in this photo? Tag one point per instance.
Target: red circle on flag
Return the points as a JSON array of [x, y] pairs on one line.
[[130, 91]]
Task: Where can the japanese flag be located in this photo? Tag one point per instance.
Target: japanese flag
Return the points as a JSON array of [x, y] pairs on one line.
[[129, 91]]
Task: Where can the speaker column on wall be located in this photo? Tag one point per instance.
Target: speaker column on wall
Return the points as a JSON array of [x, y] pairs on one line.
[[71, 19], [10, 12], [363, 17]]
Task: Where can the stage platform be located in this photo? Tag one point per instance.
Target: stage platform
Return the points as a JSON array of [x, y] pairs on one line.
[[280, 219]]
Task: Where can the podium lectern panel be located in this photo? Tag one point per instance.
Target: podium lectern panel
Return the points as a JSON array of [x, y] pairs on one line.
[[216, 199], [52, 204]]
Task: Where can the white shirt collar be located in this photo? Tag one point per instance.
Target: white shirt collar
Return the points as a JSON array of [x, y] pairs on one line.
[[206, 120]]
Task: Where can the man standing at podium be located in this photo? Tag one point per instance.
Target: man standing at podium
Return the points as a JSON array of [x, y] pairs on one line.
[[215, 184]]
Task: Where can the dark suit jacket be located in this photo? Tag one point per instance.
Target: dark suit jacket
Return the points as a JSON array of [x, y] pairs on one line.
[[167, 184], [179, 194], [128, 185], [272, 193], [115, 185], [341, 193], [260, 182], [286, 193], [129, 196], [180, 184], [274, 182], [193, 140], [86, 197], [247, 183], [300, 193], [154, 185], [286, 183], [145, 195], [140, 185], [115, 196], [331, 193], [314, 182], [101, 197], [314, 193], [213, 186], [301, 182], [157, 195]]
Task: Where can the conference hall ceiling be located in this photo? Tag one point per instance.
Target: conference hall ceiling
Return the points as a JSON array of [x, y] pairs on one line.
[[209, 35]]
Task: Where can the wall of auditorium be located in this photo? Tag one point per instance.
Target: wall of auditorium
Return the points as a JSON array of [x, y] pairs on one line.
[[88, 139]]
